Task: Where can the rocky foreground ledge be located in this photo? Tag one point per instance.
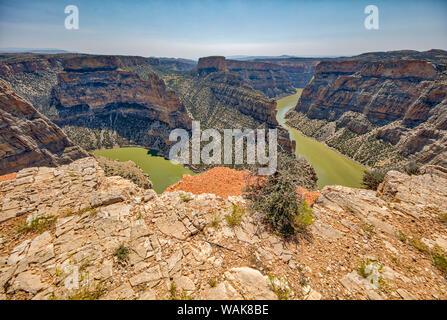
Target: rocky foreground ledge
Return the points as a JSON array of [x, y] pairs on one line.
[[59, 225]]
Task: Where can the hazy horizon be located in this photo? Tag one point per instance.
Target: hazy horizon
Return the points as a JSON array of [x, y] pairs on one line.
[[191, 28]]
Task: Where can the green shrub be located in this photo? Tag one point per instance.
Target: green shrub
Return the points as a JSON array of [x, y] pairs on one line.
[[39, 224], [304, 218], [276, 197], [280, 287], [412, 168], [235, 217], [372, 179], [185, 196], [215, 223], [440, 261], [121, 253], [88, 294], [212, 283]]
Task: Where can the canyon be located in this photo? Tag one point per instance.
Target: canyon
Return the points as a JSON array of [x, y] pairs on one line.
[[178, 245], [67, 217], [380, 109]]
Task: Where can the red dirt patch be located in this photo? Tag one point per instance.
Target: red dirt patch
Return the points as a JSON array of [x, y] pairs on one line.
[[8, 176], [221, 181], [225, 182], [309, 196]]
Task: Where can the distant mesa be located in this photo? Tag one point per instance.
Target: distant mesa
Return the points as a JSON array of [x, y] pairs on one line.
[[208, 65]]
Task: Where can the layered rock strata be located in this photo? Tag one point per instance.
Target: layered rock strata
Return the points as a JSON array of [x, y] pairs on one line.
[[377, 107], [27, 138]]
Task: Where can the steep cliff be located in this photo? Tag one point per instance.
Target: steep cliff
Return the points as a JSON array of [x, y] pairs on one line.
[[220, 100], [95, 93], [299, 70], [265, 77], [27, 138], [100, 101], [379, 108]]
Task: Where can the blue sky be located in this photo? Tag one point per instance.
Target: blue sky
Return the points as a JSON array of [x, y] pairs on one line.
[[191, 29]]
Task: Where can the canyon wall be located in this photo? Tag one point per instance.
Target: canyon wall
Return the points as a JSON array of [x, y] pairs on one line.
[[100, 101], [27, 138], [265, 77], [299, 70], [94, 93], [377, 107]]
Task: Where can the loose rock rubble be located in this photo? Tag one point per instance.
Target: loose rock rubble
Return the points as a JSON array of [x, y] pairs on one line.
[[110, 239]]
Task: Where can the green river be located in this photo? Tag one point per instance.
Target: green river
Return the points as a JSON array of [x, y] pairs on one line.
[[331, 167], [162, 172]]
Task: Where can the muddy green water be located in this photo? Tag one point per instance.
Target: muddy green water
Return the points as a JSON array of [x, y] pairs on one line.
[[331, 167], [162, 172]]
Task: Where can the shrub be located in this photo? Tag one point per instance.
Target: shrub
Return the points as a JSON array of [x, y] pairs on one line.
[[121, 253], [212, 283], [40, 224], [412, 168], [88, 294], [185, 196], [372, 179], [280, 287], [215, 223], [173, 293], [304, 218], [276, 197], [440, 261], [235, 217]]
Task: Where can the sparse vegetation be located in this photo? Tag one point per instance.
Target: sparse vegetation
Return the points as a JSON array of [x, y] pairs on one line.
[[412, 168], [173, 290], [277, 198], [215, 223], [235, 217], [122, 253], [279, 287], [444, 217], [401, 236], [367, 228], [212, 283], [38, 224], [440, 262], [419, 245], [361, 269], [127, 169], [173, 293], [87, 293], [365, 267], [185, 196], [372, 179], [436, 254], [89, 209]]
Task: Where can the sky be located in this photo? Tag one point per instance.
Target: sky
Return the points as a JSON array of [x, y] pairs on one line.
[[196, 28]]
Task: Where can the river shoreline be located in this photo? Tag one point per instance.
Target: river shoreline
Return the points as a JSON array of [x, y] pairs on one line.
[[327, 146], [332, 167]]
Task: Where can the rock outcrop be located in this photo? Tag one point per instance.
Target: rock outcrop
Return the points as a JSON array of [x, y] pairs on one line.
[[118, 241], [208, 65], [27, 138], [96, 98], [394, 103]]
